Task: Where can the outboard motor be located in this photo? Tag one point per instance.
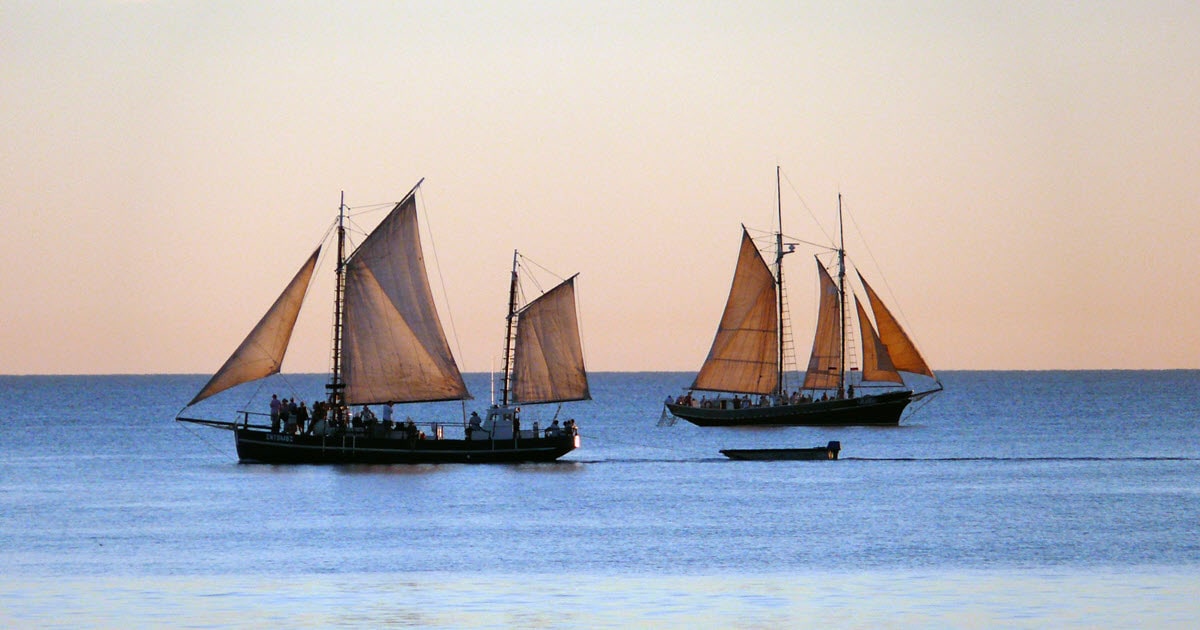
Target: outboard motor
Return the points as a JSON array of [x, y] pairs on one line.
[[834, 446]]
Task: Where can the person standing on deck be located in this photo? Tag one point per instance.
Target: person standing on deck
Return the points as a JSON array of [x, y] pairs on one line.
[[301, 417], [275, 407]]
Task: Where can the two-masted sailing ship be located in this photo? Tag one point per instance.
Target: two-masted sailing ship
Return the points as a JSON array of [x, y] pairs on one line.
[[389, 348], [745, 367]]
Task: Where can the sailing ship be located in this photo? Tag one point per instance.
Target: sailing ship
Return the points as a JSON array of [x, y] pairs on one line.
[[389, 348], [747, 357]]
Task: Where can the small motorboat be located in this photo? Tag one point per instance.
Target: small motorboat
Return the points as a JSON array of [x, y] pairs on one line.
[[829, 451]]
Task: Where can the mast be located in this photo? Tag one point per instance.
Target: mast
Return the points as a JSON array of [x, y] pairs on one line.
[[337, 386], [841, 393], [779, 284], [508, 334]]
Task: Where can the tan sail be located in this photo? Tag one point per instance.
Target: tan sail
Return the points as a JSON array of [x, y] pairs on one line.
[[394, 346], [877, 364], [903, 352], [744, 355], [548, 361], [825, 362], [261, 352]]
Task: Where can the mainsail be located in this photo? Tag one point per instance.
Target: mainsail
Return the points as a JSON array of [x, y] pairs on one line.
[[744, 354], [394, 346], [825, 362], [261, 352], [900, 348], [548, 362]]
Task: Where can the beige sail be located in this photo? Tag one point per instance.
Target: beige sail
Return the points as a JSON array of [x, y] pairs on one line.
[[548, 361], [877, 364], [825, 362], [905, 356], [394, 349], [261, 352], [744, 355]]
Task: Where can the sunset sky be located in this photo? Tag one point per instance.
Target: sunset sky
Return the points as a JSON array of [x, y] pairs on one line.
[[1021, 179]]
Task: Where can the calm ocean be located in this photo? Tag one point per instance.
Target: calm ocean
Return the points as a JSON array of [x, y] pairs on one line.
[[1015, 499]]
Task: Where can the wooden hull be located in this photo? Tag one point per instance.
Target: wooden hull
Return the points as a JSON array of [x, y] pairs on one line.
[[785, 454], [880, 410], [255, 445]]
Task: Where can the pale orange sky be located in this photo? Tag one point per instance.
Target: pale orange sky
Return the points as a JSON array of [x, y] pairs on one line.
[[1025, 174]]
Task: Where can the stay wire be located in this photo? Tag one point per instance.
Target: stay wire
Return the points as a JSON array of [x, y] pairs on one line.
[[201, 436], [887, 285], [442, 281]]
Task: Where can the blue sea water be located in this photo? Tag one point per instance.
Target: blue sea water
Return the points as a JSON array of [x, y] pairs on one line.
[[1016, 499]]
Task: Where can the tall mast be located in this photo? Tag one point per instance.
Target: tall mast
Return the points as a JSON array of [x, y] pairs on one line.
[[508, 333], [841, 393], [779, 284], [337, 386]]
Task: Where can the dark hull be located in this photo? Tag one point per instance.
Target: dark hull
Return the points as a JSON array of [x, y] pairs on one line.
[[880, 410], [278, 448], [819, 453], [781, 454]]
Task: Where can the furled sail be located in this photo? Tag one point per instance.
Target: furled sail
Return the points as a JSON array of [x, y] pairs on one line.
[[548, 361], [877, 364], [394, 347], [261, 352], [905, 356], [744, 354], [825, 362]]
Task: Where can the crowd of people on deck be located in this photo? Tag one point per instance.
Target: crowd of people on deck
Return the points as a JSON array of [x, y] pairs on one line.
[[292, 417], [295, 418], [745, 402], [567, 428]]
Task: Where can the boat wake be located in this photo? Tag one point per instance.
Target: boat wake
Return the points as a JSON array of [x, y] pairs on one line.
[[706, 460], [1023, 459]]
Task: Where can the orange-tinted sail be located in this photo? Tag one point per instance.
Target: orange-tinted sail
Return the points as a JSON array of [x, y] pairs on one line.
[[744, 354], [261, 352], [825, 362], [877, 364], [903, 352]]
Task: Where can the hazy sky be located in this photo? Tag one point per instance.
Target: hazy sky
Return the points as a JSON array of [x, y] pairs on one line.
[[1026, 175]]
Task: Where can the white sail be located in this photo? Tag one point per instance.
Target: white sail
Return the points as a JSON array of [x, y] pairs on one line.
[[744, 355], [261, 352], [548, 359], [394, 348], [902, 350], [877, 363], [825, 362]]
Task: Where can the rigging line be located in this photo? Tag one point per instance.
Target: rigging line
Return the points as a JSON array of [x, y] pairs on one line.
[[354, 228], [195, 431], [871, 254], [579, 319], [286, 382], [533, 262], [374, 207], [800, 241], [914, 410], [528, 276], [804, 204], [257, 390], [361, 211], [356, 235], [436, 263], [325, 237], [758, 235]]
